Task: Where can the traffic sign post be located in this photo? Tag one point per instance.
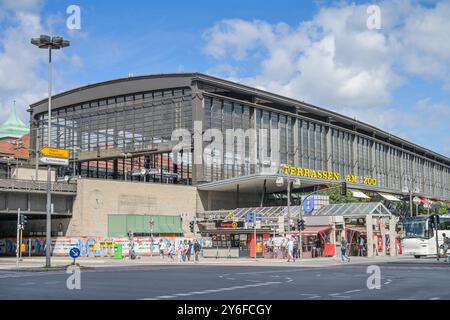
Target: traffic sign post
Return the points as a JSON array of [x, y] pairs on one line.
[[308, 205], [54, 161], [74, 253], [55, 153]]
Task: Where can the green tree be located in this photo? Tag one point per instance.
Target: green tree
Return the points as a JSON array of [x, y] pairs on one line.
[[336, 197]]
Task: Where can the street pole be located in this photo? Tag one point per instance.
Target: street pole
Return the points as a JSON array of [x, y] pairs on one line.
[[17, 240], [410, 200], [300, 240], [36, 153], [254, 230], [48, 42], [49, 172]]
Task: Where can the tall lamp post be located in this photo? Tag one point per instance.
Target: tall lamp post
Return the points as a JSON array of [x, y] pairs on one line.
[[296, 183], [47, 42]]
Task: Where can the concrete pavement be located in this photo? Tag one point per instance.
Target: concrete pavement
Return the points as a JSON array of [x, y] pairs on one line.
[[399, 279], [9, 263]]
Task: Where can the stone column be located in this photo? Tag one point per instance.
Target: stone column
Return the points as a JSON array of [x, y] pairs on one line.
[[198, 128]]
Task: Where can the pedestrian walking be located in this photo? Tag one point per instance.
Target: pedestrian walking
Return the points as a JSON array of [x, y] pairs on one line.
[[162, 248], [189, 250], [283, 247], [290, 250], [171, 250], [445, 246], [269, 247], [197, 249], [184, 251], [362, 247], [344, 256], [295, 251], [180, 251]]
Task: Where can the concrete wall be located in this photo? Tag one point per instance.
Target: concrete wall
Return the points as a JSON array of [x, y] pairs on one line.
[[30, 174], [10, 201], [96, 199]]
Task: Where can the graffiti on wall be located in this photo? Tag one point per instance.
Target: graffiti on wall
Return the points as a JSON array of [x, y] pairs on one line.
[[92, 246]]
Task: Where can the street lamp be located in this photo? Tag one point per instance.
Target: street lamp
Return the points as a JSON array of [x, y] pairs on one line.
[[47, 42], [296, 183]]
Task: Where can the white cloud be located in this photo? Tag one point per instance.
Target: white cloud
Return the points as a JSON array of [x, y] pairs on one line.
[[19, 60], [336, 62], [23, 67]]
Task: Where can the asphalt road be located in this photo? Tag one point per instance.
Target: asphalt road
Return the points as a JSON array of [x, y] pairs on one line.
[[399, 280]]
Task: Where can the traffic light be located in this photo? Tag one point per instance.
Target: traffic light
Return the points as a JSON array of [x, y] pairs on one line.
[[23, 219], [301, 225], [343, 188], [431, 222], [191, 226]]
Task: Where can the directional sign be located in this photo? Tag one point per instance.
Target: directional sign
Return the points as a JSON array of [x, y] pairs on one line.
[[308, 205], [54, 161], [258, 217], [54, 153], [249, 217], [74, 253]]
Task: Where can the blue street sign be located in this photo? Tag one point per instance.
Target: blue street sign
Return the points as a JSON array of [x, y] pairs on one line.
[[308, 205], [74, 253], [249, 217], [258, 217]]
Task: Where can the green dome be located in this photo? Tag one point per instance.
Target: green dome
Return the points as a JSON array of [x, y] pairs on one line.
[[13, 127]]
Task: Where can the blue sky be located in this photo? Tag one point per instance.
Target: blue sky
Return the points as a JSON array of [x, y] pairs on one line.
[[396, 77]]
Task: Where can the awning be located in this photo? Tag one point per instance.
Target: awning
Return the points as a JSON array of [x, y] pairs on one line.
[[314, 231], [359, 194], [389, 197]]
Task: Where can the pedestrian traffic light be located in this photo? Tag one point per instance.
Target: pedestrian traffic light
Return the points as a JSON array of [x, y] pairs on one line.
[[343, 188], [191, 226]]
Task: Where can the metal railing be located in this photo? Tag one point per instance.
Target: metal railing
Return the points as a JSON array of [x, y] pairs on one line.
[[16, 185]]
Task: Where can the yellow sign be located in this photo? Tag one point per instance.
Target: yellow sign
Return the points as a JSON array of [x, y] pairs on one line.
[[308, 173], [230, 216], [54, 153], [326, 175]]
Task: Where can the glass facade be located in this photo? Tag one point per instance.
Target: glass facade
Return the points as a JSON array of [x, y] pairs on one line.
[[137, 124], [142, 123], [311, 144]]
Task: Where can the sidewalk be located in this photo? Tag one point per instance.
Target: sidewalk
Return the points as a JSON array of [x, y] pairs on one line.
[[37, 263]]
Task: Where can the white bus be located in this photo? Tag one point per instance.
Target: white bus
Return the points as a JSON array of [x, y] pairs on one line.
[[420, 239]]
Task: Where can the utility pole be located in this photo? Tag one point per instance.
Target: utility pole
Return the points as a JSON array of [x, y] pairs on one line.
[[17, 240], [48, 42]]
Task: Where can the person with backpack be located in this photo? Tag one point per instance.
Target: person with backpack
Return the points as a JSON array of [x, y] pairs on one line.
[[197, 249]]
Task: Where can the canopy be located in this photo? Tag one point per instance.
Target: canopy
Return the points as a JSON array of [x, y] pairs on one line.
[[359, 194], [356, 209], [389, 197]]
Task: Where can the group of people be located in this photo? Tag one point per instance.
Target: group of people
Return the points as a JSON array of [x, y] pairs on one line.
[[183, 250], [290, 249]]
